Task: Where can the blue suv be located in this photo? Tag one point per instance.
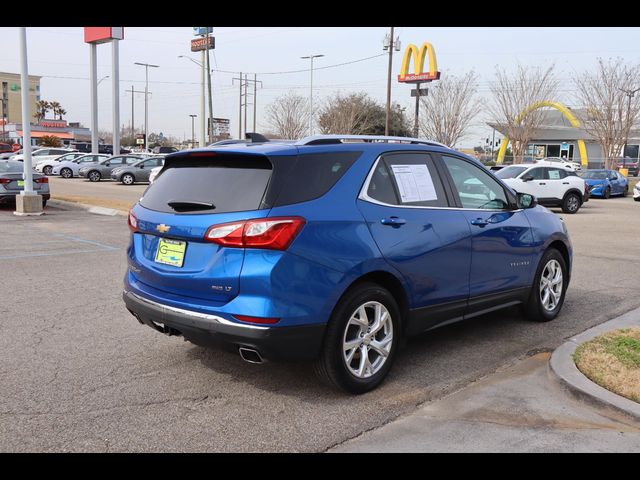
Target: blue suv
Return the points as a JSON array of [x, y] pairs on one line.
[[335, 249]]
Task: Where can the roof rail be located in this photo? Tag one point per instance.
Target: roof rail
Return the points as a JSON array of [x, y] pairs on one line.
[[333, 139]]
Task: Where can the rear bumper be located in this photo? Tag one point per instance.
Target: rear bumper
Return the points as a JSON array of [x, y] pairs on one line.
[[273, 343], [8, 197]]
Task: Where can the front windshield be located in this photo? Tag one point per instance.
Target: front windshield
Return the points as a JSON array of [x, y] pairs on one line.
[[594, 175], [511, 171]]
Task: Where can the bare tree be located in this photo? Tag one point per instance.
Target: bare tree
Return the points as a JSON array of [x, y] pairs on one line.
[[288, 116], [354, 114], [449, 109], [611, 106], [512, 94]]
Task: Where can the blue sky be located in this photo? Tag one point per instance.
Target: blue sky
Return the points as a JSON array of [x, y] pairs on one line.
[[62, 58]]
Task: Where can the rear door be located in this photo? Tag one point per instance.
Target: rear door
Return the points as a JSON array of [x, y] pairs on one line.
[[557, 182], [405, 206], [502, 243], [177, 210]]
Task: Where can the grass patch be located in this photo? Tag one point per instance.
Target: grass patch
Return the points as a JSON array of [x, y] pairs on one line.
[[612, 360]]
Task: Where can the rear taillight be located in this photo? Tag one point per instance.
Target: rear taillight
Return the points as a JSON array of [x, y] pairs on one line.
[[4, 181], [274, 233], [42, 180], [133, 222]]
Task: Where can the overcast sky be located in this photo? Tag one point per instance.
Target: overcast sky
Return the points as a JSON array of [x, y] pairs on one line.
[[61, 57]]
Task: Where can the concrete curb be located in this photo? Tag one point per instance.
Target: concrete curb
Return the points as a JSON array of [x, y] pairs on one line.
[[563, 367], [65, 205]]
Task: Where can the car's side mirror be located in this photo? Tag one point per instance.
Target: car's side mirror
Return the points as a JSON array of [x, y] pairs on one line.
[[526, 200], [141, 166], [528, 178], [107, 164]]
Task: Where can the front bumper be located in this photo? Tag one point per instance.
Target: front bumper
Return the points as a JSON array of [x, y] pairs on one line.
[[273, 343]]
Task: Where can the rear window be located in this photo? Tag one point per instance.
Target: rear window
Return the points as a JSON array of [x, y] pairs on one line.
[[219, 184], [11, 167]]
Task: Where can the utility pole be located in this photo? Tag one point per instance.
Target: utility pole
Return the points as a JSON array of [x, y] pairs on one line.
[[311, 92], [629, 94], [210, 126], [255, 99], [193, 138], [239, 105], [246, 101], [133, 123], [146, 102], [391, 45]]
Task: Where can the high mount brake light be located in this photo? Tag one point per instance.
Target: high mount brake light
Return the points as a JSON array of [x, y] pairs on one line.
[[275, 233]]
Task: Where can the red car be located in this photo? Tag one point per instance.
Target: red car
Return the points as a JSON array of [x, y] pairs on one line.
[[629, 163]]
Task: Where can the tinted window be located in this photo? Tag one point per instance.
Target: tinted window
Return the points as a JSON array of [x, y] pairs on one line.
[[310, 176], [510, 172], [229, 184], [556, 173], [408, 178], [153, 162], [475, 186]]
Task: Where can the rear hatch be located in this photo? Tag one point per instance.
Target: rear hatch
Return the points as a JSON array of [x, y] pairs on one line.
[[194, 192]]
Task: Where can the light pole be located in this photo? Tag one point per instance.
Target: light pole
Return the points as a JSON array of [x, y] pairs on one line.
[[146, 101], [202, 127], [193, 138], [311, 57], [629, 94]]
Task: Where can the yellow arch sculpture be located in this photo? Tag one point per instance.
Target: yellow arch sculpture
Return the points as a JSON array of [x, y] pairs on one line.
[[582, 148]]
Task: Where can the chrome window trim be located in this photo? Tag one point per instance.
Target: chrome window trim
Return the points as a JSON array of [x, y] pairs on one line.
[[191, 313], [365, 197]]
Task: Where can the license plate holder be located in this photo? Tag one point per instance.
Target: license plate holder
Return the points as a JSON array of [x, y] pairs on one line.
[[171, 252]]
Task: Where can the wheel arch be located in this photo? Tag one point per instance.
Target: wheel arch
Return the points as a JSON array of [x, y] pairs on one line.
[[564, 251]]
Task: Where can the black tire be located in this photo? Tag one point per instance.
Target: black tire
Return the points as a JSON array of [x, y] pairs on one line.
[[534, 308], [571, 203], [44, 202], [332, 367], [127, 179], [66, 173], [94, 176], [607, 193], [47, 170]]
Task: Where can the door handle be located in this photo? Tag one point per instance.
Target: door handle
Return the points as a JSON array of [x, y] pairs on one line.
[[565, 183], [479, 222], [393, 221], [542, 183]]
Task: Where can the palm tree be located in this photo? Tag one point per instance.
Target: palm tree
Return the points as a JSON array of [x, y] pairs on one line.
[[42, 107], [57, 109], [61, 112]]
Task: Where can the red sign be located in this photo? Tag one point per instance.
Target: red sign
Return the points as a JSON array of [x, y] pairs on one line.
[[103, 34], [204, 43], [423, 77], [53, 123]]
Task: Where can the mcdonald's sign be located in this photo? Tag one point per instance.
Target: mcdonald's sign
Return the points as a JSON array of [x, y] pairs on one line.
[[419, 55]]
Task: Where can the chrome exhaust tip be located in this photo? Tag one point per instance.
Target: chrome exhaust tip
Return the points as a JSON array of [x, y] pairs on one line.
[[250, 355]]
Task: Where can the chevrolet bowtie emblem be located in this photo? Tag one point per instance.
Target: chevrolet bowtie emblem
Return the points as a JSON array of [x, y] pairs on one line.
[[163, 228]]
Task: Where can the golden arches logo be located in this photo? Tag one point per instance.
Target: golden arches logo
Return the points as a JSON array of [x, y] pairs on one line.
[[573, 120], [419, 56]]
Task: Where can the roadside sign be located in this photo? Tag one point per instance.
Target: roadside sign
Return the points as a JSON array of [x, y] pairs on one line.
[[139, 138], [204, 43], [198, 31], [423, 92], [221, 127]]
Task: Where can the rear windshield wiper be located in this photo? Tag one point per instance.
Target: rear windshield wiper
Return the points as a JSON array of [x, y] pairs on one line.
[[189, 205]]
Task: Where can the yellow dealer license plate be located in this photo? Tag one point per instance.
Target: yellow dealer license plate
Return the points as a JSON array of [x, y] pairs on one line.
[[21, 183], [171, 252]]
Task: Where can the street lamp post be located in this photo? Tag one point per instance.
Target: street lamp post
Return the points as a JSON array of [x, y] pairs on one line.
[[193, 138], [146, 101], [629, 94], [202, 98], [311, 57]]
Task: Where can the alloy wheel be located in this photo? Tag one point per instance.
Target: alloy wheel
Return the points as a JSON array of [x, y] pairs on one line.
[[551, 285]]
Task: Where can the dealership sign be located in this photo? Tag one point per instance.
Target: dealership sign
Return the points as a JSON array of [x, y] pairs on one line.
[[103, 34], [419, 55], [204, 43]]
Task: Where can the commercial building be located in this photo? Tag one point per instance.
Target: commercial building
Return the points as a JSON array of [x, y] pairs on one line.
[[556, 137], [11, 94]]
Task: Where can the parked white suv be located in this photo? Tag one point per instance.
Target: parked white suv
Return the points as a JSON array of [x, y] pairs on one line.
[[552, 186], [560, 162], [43, 154]]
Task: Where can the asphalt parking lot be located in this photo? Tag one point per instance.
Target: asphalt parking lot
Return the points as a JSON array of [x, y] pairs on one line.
[[78, 373]]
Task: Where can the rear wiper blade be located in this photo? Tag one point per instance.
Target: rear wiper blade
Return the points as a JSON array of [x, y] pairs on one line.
[[189, 205]]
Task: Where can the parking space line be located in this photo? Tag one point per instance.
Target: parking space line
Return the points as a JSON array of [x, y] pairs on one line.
[[81, 240], [51, 254]]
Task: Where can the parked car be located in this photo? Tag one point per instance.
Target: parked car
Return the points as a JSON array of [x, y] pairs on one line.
[[85, 147], [137, 172], [12, 183], [552, 186], [636, 192], [234, 246], [154, 173], [11, 154], [43, 154], [631, 164], [604, 183], [5, 147], [560, 162], [46, 166], [69, 169], [97, 171], [164, 150]]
